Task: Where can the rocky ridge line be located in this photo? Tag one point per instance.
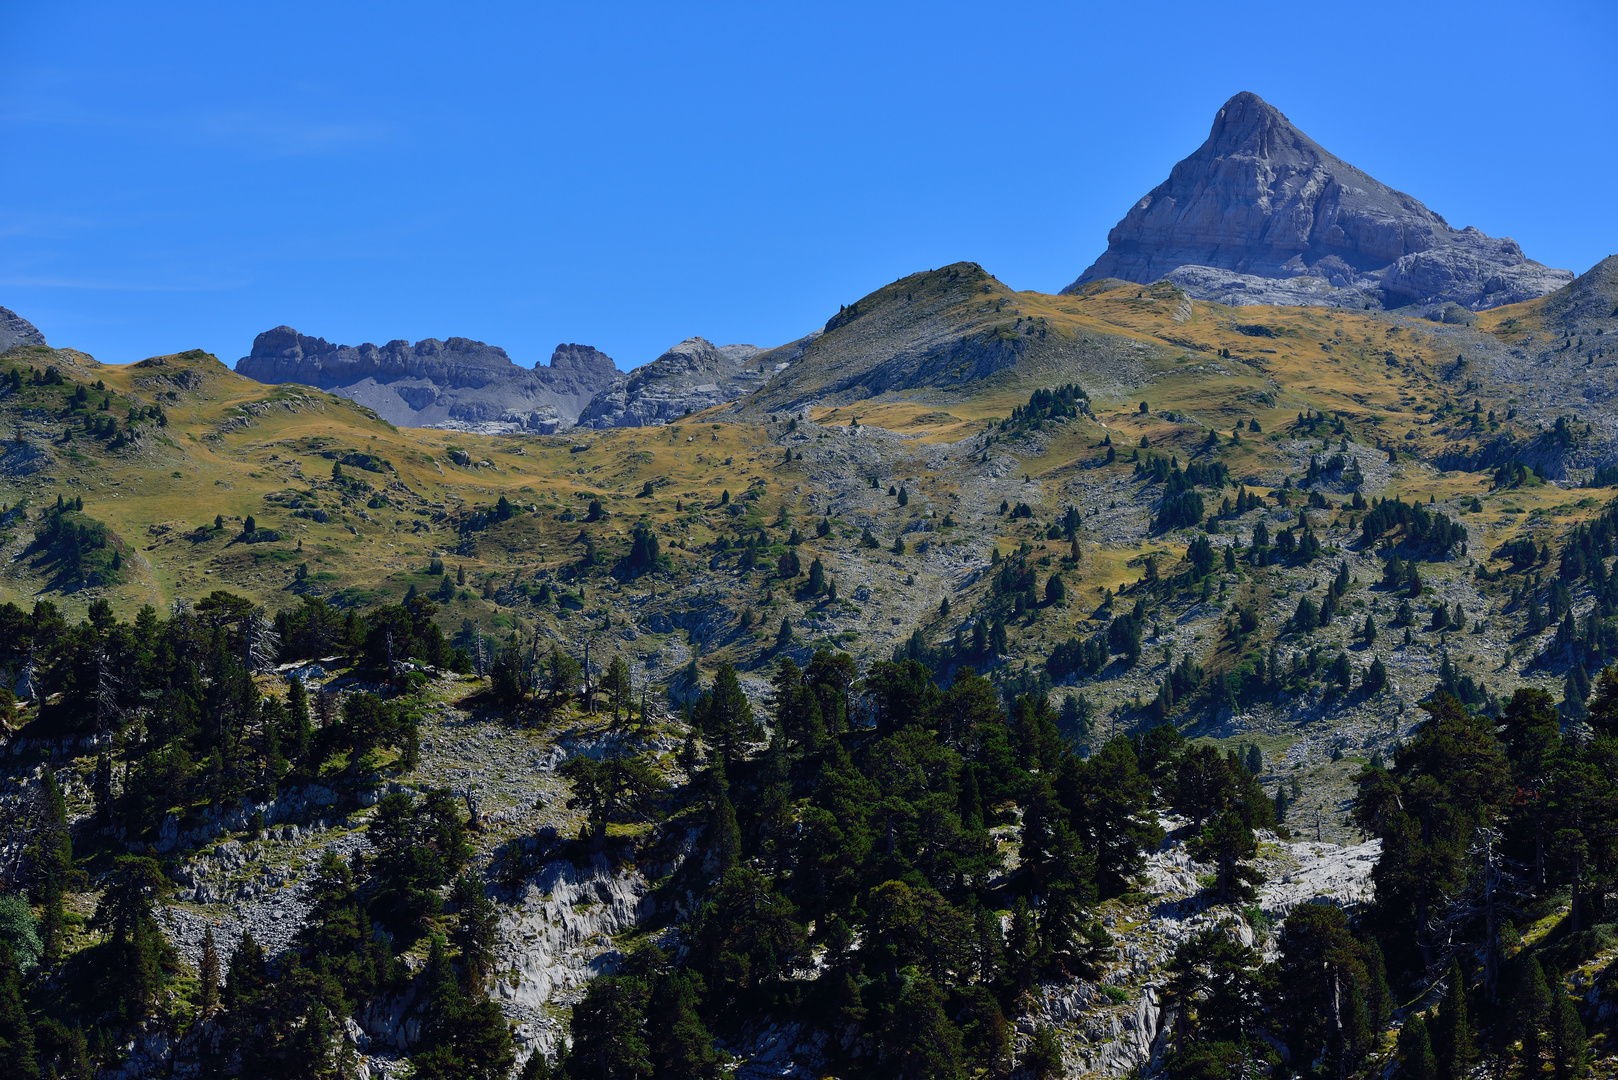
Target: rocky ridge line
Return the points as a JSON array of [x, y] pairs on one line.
[[458, 383]]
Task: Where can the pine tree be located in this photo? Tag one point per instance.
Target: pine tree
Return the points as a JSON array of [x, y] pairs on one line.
[[617, 684], [1044, 1056], [727, 716], [139, 952], [16, 1034], [921, 1042], [609, 1030], [1022, 948], [988, 946], [208, 975], [1568, 1057], [1530, 1009], [246, 976], [1228, 843], [54, 852], [1455, 1048], [1055, 591], [681, 1045], [302, 730], [1416, 1059], [723, 834], [475, 930]]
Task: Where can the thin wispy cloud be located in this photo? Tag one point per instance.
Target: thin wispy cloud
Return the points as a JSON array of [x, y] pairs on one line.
[[46, 281], [269, 132]]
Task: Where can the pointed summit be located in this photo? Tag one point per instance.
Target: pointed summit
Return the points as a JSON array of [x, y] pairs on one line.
[[1261, 213], [16, 330]]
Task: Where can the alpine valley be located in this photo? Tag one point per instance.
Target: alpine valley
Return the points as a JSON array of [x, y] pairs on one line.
[[1201, 671]]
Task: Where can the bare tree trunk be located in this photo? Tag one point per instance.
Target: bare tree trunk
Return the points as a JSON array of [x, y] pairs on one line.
[[1337, 1025]]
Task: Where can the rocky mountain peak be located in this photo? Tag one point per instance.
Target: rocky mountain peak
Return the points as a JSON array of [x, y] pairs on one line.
[[585, 361], [691, 376], [1262, 214], [16, 330], [1591, 300]]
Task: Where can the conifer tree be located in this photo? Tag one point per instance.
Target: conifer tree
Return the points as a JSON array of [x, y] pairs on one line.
[[16, 1033], [1416, 1060], [1455, 1048], [1022, 947], [465, 1036], [302, 730], [616, 683], [1055, 591], [1530, 1008], [723, 835], [246, 976], [208, 975], [988, 946], [139, 953], [1567, 1037], [475, 930], [727, 716], [53, 852], [1228, 842], [609, 1031], [817, 577], [681, 1045], [920, 1042]]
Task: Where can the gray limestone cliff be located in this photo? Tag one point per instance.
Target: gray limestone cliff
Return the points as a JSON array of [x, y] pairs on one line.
[[458, 383], [692, 376], [16, 330], [1262, 214]]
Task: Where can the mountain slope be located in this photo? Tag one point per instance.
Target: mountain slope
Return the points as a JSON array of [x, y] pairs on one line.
[[951, 333], [352, 510], [1261, 213]]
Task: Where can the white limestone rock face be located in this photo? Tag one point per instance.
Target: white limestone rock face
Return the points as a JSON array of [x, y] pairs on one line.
[[1261, 202], [563, 911]]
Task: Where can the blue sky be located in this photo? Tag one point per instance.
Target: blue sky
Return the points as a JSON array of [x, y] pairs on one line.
[[178, 176]]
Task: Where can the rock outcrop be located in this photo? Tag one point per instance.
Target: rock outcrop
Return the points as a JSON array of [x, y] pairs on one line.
[[16, 330], [1261, 213], [692, 376], [458, 383]]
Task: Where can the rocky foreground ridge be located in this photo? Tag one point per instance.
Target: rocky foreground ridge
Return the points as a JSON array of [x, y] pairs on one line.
[[1262, 214], [458, 383]]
